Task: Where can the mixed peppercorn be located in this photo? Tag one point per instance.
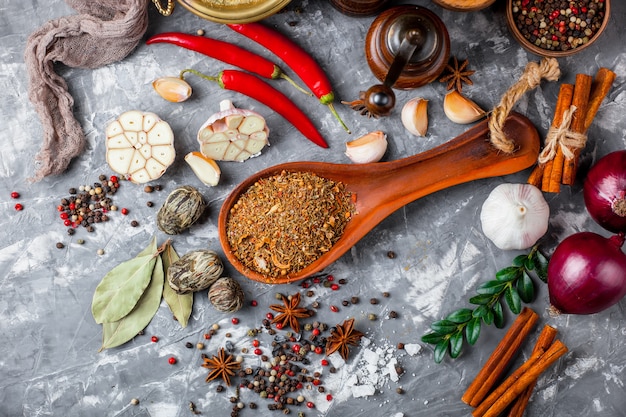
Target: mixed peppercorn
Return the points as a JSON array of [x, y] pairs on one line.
[[558, 25]]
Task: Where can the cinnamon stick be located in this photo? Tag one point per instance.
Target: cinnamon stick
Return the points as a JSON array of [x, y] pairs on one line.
[[524, 379], [552, 183], [600, 87], [546, 337], [536, 175], [500, 358]]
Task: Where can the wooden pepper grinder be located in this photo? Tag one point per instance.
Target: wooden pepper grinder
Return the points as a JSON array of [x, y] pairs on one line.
[[359, 8]]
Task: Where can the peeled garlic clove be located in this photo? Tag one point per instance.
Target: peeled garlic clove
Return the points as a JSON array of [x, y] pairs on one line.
[[205, 169], [460, 109], [368, 148], [172, 89], [139, 146], [233, 134], [415, 116], [515, 216]]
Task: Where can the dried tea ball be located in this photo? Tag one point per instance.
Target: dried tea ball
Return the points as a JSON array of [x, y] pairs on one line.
[[226, 295], [182, 208], [195, 271]]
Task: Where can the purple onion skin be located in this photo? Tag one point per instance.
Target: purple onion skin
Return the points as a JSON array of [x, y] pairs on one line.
[[604, 184], [587, 273]]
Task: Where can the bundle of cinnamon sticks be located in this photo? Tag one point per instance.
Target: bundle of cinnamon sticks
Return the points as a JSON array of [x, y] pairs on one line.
[[513, 393], [558, 161]]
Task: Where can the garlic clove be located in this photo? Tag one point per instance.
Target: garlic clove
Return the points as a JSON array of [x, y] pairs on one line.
[[515, 216], [460, 109], [205, 169], [368, 148], [172, 89], [415, 116]]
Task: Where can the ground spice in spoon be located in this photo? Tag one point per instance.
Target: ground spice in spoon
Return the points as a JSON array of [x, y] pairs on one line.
[[284, 222]]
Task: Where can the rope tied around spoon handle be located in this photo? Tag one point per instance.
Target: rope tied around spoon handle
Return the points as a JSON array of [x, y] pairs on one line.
[[530, 79]]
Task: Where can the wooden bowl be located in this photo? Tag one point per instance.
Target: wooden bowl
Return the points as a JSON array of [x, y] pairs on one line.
[[537, 50], [223, 12], [464, 5]]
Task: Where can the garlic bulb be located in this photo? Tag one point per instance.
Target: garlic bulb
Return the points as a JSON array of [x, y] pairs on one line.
[[515, 216], [139, 146], [368, 148], [415, 116], [460, 109], [233, 134]]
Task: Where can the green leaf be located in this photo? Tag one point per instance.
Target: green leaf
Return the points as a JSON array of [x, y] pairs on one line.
[[481, 299], [181, 305], [433, 338], [526, 288], [123, 330], [444, 326], [121, 288], [441, 349], [472, 330], [491, 287], [541, 266], [456, 344], [508, 274], [498, 315], [520, 260], [460, 316], [484, 312], [513, 300]]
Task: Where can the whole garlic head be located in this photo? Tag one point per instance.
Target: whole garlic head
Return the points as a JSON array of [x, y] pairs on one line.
[[515, 216]]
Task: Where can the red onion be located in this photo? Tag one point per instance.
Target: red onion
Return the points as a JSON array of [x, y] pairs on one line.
[[605, 192], [587, 273]]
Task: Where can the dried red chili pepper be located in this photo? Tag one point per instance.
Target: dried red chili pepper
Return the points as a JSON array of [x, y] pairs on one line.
[[261, 91], [225, 52], [296, 58]]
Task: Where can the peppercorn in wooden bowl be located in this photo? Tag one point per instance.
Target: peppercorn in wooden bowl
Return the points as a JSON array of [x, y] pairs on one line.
[[557, 29], [234, 11]]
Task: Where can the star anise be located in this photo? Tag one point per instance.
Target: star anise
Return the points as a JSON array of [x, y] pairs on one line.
[[222, 365], [457, 75], [290, 312], [342, 337]]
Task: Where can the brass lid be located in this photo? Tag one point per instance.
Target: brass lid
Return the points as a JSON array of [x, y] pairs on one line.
[[229, 11]]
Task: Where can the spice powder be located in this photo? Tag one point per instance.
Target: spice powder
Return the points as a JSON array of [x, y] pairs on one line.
[[283, 223]]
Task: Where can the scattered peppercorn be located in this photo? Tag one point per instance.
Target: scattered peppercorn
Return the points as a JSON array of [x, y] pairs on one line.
[[393, 314], [386, 294], [19, 207], [60, 245], [400, 346], [100, 251], [148, 189], [172, 360], [391, 254], [199, 346], [399, 390], [134, 401], [80, 241], [149, 203], [134, 223], [188, 345], [373, 301], [15, 195], [154, 339]]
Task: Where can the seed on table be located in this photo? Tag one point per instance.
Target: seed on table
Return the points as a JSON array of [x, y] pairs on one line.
[[400, 346], [188, 345], [386, 294], [19, 207], [199, 346], [373, 301], [15, 195], [391, 254], [100, 252], [134, 223], [399, 390], [134, 401], [80, 241], [393, 314], [354, 300], [148, 189], [149, 203], [60, 245]]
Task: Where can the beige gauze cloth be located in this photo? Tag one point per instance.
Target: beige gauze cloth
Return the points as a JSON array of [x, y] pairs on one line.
[[104, 31]]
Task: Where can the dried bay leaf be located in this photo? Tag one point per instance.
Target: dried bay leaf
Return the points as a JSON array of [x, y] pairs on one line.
[[122, 287], [121, 331], [181, 305]]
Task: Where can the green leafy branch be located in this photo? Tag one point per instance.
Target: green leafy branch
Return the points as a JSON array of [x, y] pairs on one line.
[[512, 287]]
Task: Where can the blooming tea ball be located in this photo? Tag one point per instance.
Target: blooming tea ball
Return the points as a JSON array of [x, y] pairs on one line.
[[226, 295], [182, 208], [195, 271]]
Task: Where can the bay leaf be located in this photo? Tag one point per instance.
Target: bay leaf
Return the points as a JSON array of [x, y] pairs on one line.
[[181, 305], [119, 332], [121, 288]]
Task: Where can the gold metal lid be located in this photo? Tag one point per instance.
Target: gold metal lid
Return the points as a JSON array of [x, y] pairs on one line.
[[233, 11]]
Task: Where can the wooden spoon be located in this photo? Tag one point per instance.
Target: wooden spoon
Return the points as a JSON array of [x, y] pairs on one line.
[[382, 188]]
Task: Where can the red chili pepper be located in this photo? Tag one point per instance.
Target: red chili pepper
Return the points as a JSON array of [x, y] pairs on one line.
[[225, 52], [261, 91], [296, 58]]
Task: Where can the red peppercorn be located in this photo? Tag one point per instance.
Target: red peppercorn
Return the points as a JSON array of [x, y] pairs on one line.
[[334, 309], [67, 222], [299, 385], [60, 207], [207, 336], [330, 278], [113, 178], [305, 285], [258, 351], [324, 362], [124, 211], [279, 326], [72, 206], [19, 207], [310, 404], [296, 348], [64, 215], [256, 343], [334, 287], [234, 320], [172, 360], [317, 382], [15, 194], [318, 350], [316, 280], [329, 397], [316, 332], [254, 303], [154, 339], [269, 316]]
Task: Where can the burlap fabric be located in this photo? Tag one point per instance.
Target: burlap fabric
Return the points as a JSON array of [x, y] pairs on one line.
[[103, 32]]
